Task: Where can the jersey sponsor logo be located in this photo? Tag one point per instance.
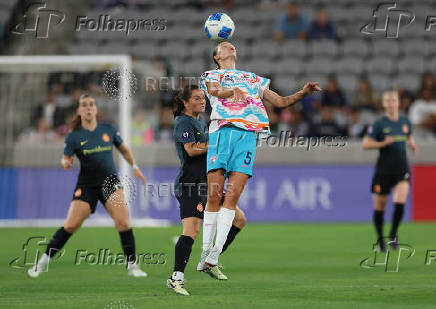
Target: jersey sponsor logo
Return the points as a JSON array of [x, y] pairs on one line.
[[96, 149], [386, 130], [83, 143], [405, 129], [105, 138], [78, 192]]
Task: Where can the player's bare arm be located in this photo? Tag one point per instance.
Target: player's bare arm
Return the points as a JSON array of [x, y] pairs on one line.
[[216, 90], [128, 156], [369, 143], [195, 149], [412, 144], [282, 102], [67, 162]]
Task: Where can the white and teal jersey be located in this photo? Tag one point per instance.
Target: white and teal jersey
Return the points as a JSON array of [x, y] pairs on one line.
[[251, 115]]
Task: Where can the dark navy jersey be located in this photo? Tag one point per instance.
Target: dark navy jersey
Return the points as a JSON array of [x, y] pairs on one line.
[[187, 130], [94, 150], [392, 159]]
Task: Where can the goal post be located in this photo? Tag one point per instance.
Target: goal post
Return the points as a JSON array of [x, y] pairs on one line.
[[33, 65]]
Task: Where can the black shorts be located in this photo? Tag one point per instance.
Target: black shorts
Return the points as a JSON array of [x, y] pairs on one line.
[[383, 183], [192, 199], [100, 192]]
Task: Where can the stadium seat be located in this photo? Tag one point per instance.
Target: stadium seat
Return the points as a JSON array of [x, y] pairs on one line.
[[410, 82], [319, 66], [324, 48], [174, 49], [285, 83], [352, 65], [146, 50], [293, 48], [349, 83], [416, 47], [379, 82], [384, 47], [355, 47], [384, 65], [264, 48], [290, 66], [411, 65]]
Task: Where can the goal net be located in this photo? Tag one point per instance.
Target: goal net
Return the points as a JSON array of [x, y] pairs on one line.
[[38, 96]]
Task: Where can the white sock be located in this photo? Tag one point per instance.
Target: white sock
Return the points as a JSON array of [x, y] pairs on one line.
[[209, 229], [178, 275], [45, 258], [224, 223]]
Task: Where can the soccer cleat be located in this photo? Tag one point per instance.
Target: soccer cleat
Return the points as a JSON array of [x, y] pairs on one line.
[[214, 272], [37, 269], [134, 270], [381, 247], [393, 242], [177, 286]]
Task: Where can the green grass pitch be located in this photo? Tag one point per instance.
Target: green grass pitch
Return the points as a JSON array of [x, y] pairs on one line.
[[269, 266]]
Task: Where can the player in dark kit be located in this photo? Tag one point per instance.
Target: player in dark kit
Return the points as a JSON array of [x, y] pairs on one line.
[[390, 134], [191, 139], [92, 143]]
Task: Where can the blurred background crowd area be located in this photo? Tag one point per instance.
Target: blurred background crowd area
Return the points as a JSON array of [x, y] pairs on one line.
[[290, 43]]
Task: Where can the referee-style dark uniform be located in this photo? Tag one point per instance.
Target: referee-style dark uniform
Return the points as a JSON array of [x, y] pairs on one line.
[[392, 165], [190, 185]]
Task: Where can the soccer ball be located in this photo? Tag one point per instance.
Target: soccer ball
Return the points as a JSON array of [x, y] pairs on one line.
[[219, 27]]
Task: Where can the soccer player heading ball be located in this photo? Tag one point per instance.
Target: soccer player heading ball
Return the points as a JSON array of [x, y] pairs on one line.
[[390, 134], [238, 114]]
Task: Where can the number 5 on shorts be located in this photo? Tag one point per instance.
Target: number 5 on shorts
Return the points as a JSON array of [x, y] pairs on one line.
[[247, 160]]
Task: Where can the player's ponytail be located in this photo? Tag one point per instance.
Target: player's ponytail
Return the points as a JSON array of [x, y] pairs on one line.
[[182, 97], [76, 123]]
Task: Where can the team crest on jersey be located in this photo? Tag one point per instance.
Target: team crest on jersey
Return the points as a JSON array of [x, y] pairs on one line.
[[105, 138], [213, 159], [228, 78], [78, 192], [405, 129]]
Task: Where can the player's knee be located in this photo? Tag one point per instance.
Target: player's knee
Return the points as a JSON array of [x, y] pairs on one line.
[[72, 227], [122, 225], [240, 220]]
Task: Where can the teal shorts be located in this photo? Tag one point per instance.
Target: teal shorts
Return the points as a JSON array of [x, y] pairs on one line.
[[232, 149]]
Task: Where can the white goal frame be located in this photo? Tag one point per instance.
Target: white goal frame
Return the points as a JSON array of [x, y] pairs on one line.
[[74, 63]]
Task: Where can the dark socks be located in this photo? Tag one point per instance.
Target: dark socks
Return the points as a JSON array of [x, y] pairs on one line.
[[128, 244], [378, 222], [182, 252], [230, 237], [396, 219], [57, 242]]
